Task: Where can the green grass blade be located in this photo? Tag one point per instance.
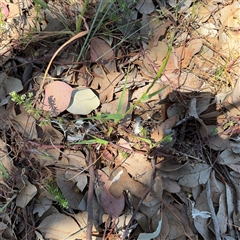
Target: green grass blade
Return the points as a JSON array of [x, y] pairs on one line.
[[153, 94], [41, 3], [120, 104]]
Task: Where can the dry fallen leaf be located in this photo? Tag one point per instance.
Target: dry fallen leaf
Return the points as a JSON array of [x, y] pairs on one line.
[[68, 189], [146, 7], [136, 164], [57, 97], [8, 84], [112, 205], [121, 181], [83, 101], [100, 50], [5, 161], [42, 204], [230, 15], [234, 97], [26, 194], [187, 53], [215, 137], [60, 226], [188, 175], [26, 124], [163, 129]]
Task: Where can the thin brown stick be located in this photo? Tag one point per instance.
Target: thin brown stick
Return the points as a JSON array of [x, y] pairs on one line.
[[90, 196]]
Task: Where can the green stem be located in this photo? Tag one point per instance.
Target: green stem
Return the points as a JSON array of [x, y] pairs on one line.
[[79, 22], [159, 73]]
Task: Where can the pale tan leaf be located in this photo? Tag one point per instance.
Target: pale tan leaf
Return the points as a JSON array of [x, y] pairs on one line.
[[74, 159], [156, 54], [230, 15], [59, 226], [140, 91], [193, 48], [121, 181], [83, 101], [26, 194], [26, 125], [204, 12], [100, 50], [57, 97], [80, 180], [164, 129], [108, 84], [138, 166]]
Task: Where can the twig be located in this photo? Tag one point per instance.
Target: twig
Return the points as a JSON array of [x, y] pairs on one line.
[[214, 217], [90, 197]]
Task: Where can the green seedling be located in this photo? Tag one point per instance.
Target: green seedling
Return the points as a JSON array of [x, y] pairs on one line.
[[79, 21], [41, 3], [54, 191], [95, 140], [27, 100]]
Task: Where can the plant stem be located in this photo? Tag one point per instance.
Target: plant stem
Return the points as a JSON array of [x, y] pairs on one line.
[[159, 73], [79, 22]]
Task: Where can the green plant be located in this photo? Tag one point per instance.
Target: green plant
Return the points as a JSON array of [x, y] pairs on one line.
[[54, 191], [4, 174], [117, 117], [27, 101]]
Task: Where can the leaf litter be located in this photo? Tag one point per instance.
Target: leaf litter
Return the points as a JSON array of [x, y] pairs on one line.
[[84, 158]]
